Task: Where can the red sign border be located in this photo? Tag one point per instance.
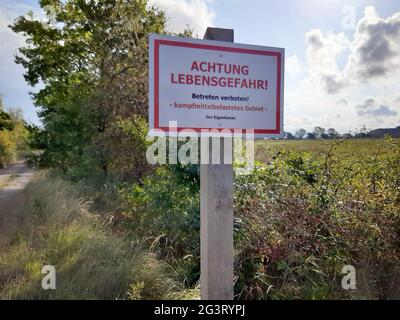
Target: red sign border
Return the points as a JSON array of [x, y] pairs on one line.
[[278, 55]]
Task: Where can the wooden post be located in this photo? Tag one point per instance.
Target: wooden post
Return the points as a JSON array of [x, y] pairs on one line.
[[216, 213]]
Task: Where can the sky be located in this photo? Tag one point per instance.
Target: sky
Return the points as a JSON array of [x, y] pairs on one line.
[[342, 56]]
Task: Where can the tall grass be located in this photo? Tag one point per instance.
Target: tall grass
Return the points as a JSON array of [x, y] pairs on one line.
[[306, 215], [57, 228]]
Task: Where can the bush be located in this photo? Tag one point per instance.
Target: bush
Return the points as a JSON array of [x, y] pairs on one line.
[[298, 220], [7, 148], [305, 216], [91, 261], [165, 210], [13, 137]]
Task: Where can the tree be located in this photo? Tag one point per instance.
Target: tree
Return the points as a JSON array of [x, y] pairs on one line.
[[348, 135], [13, 135], [333, 134], [362, 133], [9, 119], [319, 132], [289, 136], [301, 133], [93, 64], [5, 121], [311, 135]]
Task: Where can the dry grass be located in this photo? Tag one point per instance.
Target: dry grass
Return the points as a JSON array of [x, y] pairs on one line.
[[55, 227], [348, 149]]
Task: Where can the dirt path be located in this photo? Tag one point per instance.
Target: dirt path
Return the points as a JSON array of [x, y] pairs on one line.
[[13, 179]]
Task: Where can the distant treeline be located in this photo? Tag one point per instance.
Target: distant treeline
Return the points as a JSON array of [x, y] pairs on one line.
[[331, 133], [14, 135]]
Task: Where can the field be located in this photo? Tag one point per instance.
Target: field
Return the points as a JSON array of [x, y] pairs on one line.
[[309, 211], [346, 149], [316, 207], [313, 220]]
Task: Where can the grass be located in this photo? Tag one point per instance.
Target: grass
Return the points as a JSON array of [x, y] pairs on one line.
[[308, 209], [348, 149], [56, 227], [9, 179], [312, 207]]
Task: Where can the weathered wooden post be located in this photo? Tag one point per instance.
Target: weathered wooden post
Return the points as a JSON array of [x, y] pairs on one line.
[[216, 212]]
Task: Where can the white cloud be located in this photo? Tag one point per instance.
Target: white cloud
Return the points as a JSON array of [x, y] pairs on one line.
[[374, 53], [182, 13], [370, 108], [342, 102], [293, 66], [375, 48], [322, 53], [342, 72]]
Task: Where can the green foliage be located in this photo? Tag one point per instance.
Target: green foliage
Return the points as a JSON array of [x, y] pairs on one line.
[[13, 136], [164, 209], [306, 215], [93, 64], [309, 207], [5, 121], [298, 220], [57, 227]]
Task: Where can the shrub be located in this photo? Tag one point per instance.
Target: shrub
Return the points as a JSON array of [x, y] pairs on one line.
[[165, 210], [298, 220], [7, 147], [13, 137], [91, 261], [304, 216]]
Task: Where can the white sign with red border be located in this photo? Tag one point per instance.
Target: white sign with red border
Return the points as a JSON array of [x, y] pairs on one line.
[[203, 85]]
